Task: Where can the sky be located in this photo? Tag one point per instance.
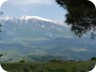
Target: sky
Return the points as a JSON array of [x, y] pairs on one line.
[[42, 8]]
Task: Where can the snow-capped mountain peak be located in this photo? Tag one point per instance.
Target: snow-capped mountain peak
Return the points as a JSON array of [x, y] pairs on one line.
[[26, 18], [36, 17]]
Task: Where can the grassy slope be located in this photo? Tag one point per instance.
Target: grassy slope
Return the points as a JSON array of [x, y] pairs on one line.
[[68, 66]]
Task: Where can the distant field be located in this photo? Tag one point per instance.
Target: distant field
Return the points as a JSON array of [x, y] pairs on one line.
[[67, 66]]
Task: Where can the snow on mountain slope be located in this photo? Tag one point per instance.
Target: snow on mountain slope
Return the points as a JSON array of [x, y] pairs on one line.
[[36, 18], [32, 28], [5, 18]]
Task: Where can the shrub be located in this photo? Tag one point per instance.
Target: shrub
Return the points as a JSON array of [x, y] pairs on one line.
[[54, 60], [22, 61]]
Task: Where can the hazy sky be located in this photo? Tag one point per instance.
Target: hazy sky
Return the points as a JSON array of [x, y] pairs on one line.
[[43, 8]]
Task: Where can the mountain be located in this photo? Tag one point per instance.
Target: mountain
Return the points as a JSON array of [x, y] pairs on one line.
[[32, 28], [29, 36]]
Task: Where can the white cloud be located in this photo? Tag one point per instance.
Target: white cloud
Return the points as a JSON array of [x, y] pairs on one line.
[[79, 49], [32, 1]]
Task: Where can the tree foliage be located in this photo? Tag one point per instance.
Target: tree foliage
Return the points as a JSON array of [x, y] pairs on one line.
[[93, 59], [1, 55], [81, 16]]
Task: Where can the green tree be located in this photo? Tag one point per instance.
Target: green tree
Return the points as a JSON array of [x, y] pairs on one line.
[[93, 59], [55, 61], [1, 55], [81, 16]]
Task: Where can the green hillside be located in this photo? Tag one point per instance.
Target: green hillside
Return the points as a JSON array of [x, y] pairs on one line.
[[52, 66]]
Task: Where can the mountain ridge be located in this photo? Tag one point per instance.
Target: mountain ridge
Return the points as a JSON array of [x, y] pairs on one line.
[[5, 18]]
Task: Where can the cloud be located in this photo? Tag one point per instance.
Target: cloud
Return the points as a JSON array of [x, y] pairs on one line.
[[32, 1], [79, 49]]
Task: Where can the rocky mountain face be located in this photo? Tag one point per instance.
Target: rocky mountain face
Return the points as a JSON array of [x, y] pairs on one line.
[[32, 36]]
